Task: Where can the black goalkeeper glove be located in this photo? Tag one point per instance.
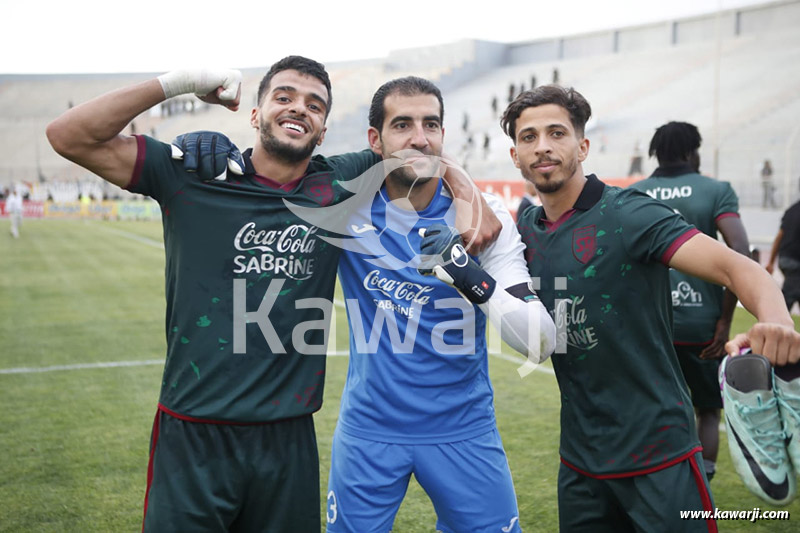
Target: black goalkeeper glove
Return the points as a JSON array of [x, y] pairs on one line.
[[208, 153], [444, 256]]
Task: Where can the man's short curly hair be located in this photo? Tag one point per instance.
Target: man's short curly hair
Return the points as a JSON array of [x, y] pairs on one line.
[[576, 105]]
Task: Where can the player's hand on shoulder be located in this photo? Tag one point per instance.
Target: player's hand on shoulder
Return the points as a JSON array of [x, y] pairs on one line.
[[777, 342], [208, 153], [475, 220], [485, 230], [214, 86]]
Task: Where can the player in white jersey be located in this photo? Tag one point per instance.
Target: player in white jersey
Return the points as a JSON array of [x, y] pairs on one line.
[[14, 210], [418, 397]]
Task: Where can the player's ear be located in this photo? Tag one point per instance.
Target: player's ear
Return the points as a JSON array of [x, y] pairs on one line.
[[322, 136], [514, 157], [374, 138], [254, 117], [583, 149]]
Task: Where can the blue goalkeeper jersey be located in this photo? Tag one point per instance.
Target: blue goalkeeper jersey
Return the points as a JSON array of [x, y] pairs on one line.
[[418, 370]]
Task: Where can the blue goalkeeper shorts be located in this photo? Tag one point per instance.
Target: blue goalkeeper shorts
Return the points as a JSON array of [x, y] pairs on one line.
[[468, 481]]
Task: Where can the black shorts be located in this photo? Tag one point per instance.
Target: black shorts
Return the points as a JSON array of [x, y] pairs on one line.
[[700, 376], [206, 477], [645, 503]]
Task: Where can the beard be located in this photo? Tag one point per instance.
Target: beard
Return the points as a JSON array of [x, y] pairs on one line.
[[285, 152], [550, 184], [408, 176]]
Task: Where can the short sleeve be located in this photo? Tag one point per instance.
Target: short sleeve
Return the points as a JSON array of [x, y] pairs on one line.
[[156, 174], [650, 230], [727, 202]]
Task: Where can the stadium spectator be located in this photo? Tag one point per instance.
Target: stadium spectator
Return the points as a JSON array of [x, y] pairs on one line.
[[494, 105], [14, 209], [227, 384], [786, 248], [533, 81], [767, 186], [556, 76], [486, 145], [702, 311], [636, 161], [629, 449]]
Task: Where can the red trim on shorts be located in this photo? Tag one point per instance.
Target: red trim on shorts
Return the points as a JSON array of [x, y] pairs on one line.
[[677, 243], [141, 149], [726, 215], [153, 442], [662, 466], [705, 497], [185, 418]]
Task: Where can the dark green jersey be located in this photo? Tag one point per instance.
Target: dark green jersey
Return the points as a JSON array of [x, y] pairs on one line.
[[249, 287], [602, 273], [696, 304]]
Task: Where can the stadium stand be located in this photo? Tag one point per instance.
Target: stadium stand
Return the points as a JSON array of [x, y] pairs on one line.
[[735, 74]]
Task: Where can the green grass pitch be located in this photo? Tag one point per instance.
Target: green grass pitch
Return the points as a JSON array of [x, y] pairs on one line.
[[74, 441]]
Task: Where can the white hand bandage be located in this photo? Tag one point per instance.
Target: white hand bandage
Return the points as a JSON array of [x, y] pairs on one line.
[[201, 82]]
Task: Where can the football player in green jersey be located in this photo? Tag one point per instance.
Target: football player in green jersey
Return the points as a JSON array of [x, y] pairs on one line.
[[629, 449], [702, 311], [233, 447]]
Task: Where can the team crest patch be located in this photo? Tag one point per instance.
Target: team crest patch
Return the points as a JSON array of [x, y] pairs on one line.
[[319, 189], [584, 243]]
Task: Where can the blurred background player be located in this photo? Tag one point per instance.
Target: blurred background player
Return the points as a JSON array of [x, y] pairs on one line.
[[786, 249], [14, 209], [768, 199], [702, 311], [629, 448]]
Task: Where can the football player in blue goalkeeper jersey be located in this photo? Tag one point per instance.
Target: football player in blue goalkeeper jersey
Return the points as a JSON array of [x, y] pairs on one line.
[[418, 399]]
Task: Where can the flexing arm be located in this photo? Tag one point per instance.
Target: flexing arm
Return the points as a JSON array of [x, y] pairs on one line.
[[774, 335], [735, 236], [773, 254], [90, 134]]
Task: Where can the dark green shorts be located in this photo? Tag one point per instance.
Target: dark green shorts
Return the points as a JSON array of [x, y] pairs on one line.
[[232, 478], [700, 376], [647, 503]]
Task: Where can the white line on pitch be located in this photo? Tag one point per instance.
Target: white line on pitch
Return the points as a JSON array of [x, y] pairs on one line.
[[149, 362], [134, 237], [79, 366]]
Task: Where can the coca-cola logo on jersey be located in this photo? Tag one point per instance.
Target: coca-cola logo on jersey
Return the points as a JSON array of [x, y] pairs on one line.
[[404, 291], [297, 238]]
